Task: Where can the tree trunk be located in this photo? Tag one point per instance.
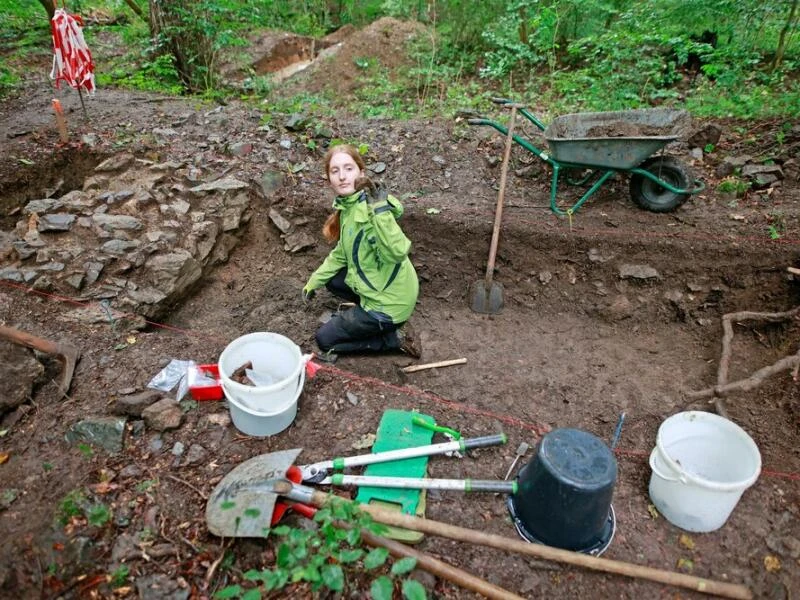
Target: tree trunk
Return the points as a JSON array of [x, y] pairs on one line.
[[50, 7], [160, 20], [790, 22], [137, 9], [523, 25]]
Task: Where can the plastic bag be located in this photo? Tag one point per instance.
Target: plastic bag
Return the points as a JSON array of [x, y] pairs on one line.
[[175, 373], [259, 378], [199, 377]]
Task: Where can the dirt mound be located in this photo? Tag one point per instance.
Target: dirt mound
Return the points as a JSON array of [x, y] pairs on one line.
[[382, 43]]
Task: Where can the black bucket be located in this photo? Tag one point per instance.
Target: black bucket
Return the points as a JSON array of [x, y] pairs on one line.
[[564, 495]]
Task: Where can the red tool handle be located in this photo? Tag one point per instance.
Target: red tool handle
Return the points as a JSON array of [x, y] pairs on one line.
[[295, 475]]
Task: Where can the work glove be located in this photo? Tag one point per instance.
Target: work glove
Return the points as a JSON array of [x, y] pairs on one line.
[[375, 192], [308, 294]]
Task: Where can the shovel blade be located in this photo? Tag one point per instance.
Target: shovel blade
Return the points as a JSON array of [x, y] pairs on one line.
[[243, 502], [486, 300]]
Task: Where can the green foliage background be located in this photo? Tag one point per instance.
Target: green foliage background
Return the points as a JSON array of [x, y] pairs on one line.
[[565, 55]]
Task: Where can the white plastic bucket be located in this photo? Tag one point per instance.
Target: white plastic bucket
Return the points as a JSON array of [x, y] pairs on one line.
[[702, 464], [271, 354], [262, 424]]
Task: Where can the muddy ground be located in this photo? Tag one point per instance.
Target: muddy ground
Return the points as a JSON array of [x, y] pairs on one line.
[[578, 343]]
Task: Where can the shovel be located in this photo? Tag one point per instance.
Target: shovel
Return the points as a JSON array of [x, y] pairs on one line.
[[487, 295], [238, 499], [235, 508]]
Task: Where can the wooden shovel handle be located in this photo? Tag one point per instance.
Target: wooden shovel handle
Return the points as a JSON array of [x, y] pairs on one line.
[[466, 580], [498, 213], [453, 532]]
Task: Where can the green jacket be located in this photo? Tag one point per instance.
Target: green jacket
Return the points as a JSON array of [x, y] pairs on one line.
[[375, 251]]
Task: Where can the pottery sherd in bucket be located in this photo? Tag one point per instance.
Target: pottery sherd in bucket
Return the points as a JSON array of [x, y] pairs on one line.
[[565, 491], [702, 464]]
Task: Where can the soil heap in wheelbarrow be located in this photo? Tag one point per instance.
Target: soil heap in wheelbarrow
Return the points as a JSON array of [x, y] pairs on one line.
[[617, 140]]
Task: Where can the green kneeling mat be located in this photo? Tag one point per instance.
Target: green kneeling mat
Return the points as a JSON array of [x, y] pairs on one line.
[[397, 431]]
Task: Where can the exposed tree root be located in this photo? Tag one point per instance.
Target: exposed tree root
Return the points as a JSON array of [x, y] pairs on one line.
[[723, 388]]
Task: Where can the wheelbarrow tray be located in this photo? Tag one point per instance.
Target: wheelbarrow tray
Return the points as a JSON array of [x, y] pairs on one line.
[[618, 140]]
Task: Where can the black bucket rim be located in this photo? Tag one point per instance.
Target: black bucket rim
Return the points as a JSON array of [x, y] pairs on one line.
[[594, 549]]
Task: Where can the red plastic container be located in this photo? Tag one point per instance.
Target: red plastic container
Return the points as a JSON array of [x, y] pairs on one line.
[[207, 392]]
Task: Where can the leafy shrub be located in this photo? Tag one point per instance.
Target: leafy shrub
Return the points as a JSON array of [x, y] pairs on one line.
[[320, 556]]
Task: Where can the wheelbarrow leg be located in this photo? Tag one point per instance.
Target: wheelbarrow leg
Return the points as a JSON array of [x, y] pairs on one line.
[[554, 186]]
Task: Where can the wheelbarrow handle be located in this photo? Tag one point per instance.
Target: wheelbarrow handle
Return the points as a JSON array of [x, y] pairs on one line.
[[317, 471], [417, 483]]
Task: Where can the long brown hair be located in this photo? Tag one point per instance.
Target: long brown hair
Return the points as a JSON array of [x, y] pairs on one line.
[[330, 230]]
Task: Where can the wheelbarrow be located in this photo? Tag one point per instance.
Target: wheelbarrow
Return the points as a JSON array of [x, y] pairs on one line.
[[599, 145]]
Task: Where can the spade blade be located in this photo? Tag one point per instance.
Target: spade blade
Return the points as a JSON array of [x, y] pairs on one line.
[[242, 503]]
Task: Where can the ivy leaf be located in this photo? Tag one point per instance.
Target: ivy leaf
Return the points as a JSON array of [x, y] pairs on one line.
[[333, 577], [232, 591], [414, 590], [275, 580], [253, 594], [375, 558], [349, 556], [404, 565], [353, 536], [381, 588], [283, 558]]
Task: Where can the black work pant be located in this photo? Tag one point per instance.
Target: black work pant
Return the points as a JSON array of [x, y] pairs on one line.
[[355, 330]]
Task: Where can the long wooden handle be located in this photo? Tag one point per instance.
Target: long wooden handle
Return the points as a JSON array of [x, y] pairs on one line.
[[498, 213], [441, 569], [434, 365], [31, 341], [453, 532]]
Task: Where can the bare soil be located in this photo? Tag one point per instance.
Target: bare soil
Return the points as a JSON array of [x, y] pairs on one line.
[[576, 345]]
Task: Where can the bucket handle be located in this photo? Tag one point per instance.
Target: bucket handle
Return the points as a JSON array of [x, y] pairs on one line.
[[659, 473]]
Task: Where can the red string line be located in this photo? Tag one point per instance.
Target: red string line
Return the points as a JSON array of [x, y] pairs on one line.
[[538, 429]]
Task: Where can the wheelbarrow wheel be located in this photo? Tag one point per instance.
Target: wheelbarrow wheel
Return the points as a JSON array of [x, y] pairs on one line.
[[649, 195]]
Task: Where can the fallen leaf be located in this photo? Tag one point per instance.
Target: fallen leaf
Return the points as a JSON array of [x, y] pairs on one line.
[[364, 442], [3, 457], [131, 339], [772, 563], [120, 346], [103, 487], [25, 161], [737, 217], [685, 564], [3, 432], [651, 508], [433, 211], [686, 541]]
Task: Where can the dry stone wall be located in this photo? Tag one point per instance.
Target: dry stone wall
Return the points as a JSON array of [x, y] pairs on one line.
[[139, 235]]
